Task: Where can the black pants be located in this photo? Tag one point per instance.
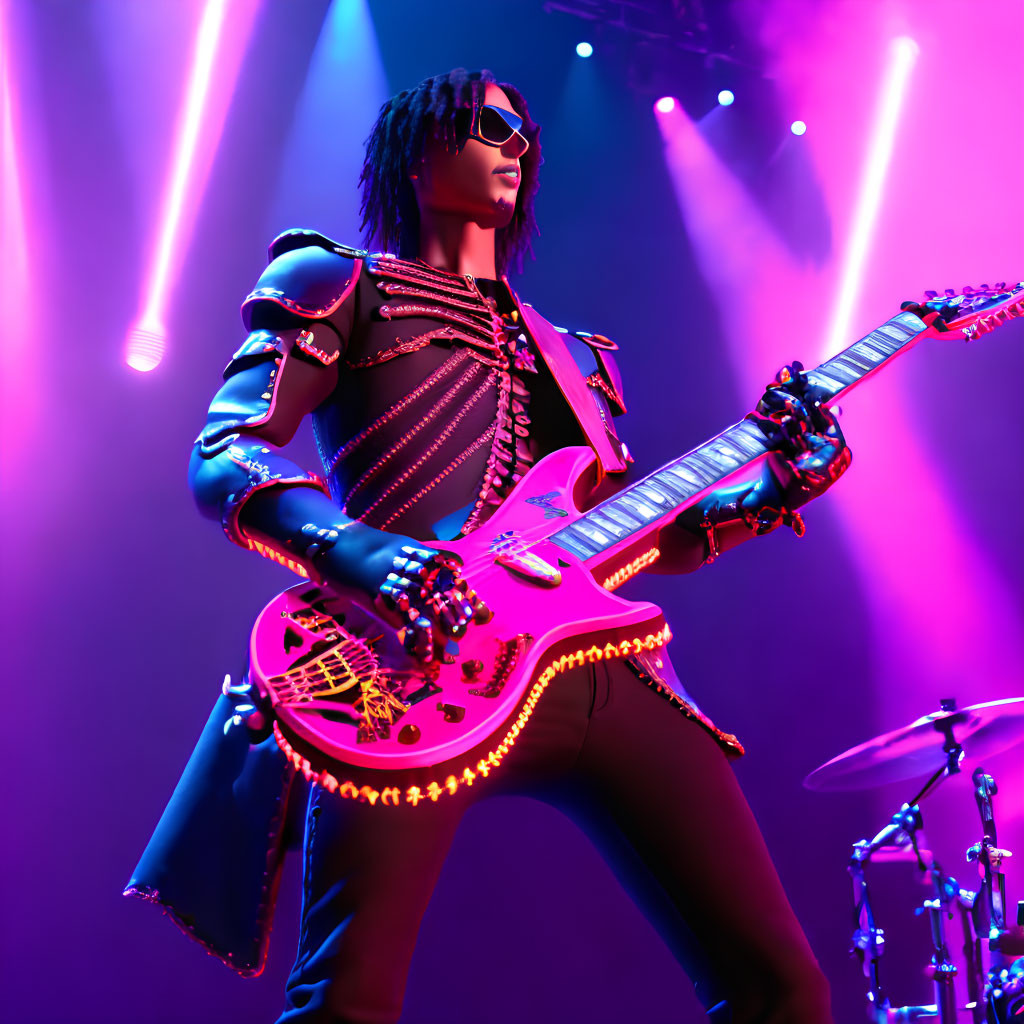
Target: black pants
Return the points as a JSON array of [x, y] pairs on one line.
[[671, 821]]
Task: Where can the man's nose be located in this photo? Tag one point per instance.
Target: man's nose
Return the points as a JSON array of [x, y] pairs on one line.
[[515, 147]]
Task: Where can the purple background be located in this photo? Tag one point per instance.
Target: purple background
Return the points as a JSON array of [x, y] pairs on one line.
[[123, 609]]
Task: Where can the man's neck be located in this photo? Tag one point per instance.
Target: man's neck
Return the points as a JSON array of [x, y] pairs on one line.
[[450, 242]]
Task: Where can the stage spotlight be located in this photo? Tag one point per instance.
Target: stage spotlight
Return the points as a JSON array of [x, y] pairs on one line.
[[798, 127], [665, 105], [146, 345], [726, 98], [147, 339], [584, 49]]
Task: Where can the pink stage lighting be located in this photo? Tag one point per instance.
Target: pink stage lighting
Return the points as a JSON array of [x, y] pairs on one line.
[[902, 54], [147, 339], [18, 410], [12, 218], [665, 105]]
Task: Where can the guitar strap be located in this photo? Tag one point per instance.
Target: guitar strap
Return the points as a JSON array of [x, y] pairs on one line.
[[573, 386]]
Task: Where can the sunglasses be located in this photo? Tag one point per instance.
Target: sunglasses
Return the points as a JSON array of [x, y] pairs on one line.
[[495, 126]]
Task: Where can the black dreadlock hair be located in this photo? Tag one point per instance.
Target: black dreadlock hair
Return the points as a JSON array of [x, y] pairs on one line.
[[391, 216]]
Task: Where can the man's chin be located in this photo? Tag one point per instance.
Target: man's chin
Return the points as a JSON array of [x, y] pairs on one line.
[[499, 215]]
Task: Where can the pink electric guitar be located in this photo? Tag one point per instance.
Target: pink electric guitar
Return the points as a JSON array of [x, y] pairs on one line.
[[359, 716]]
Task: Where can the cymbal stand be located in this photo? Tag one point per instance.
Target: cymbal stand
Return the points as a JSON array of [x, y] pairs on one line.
[[868, 938], [989, 857], [1003, 989], [905, 831]]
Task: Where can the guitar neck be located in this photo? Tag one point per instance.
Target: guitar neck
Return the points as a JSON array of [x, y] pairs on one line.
[[644, 507]]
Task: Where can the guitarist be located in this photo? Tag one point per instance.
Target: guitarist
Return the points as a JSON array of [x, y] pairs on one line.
[[433, 390]]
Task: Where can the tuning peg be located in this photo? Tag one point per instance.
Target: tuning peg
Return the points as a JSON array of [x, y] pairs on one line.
[[950, 293], [968, 290], [931, 295]]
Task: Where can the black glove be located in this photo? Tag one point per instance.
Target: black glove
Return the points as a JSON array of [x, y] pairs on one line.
[[810, 452]]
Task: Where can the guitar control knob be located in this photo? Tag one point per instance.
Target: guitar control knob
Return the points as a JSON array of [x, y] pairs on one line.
[[482, 615], [452, 712], [471, 669], [409, 734]]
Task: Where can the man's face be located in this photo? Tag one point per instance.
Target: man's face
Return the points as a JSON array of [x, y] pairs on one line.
[[479, 183]]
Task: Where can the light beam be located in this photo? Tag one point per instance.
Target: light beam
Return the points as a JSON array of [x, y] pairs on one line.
[[902, 54], [147, 338], [19, 333]]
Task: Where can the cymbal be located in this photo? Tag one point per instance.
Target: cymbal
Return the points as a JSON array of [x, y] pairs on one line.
[[916, 750]]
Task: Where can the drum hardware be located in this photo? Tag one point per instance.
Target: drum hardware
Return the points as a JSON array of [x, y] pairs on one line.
[[994, 995]]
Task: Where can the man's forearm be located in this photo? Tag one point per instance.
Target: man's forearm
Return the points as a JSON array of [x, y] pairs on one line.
[[268, 504]]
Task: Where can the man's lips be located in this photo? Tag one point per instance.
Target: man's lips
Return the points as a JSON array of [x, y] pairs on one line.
[[508, 171]]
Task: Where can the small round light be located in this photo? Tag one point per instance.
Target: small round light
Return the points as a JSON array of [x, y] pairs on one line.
[[665, 105], [726, 98], [145, 346], [906, 47], [584, 49], [798, 127]]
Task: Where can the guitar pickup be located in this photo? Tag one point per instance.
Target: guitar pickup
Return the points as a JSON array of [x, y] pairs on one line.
[[528, 565]]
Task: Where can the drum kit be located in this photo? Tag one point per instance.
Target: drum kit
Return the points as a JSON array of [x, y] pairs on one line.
[[989, 986]]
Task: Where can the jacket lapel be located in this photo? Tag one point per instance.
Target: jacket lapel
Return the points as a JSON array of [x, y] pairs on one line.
[[572, 384]]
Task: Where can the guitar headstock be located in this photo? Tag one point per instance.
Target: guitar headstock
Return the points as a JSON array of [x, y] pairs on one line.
[[972, 312]]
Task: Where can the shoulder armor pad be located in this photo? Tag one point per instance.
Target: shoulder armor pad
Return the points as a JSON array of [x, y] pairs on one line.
[[300, 238], [309, 282]]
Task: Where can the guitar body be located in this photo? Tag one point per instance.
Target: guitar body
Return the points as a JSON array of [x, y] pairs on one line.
[[342, 686]]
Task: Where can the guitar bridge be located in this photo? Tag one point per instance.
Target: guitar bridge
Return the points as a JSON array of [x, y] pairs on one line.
[[509, 653]]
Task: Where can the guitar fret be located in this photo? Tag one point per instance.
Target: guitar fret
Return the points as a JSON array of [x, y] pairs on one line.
[[654, 495], [850, 362], [748, 438], [574, 542], [672, 486], [871, 354], [600, 518], [704, 468], [640, 509], [613, 511], [821, 379], [686, 476], [900, 328], [597, 537], [723, 454], [837, 369]]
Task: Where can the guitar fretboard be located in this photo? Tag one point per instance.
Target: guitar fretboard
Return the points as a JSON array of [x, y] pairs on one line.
[[641, 507]]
